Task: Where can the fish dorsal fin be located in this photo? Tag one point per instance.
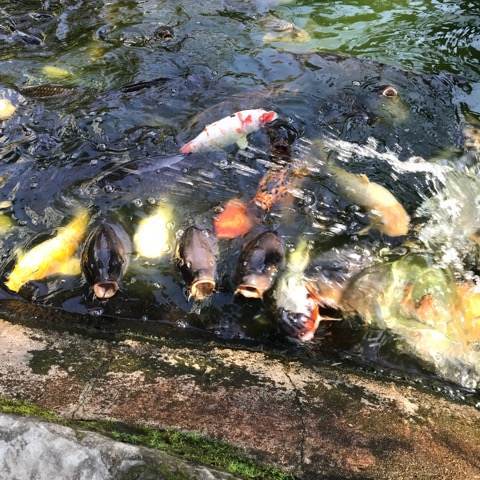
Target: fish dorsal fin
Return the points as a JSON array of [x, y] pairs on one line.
[[364, 179]]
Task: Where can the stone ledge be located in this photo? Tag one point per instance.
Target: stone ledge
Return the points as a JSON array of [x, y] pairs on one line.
[[311, 421]]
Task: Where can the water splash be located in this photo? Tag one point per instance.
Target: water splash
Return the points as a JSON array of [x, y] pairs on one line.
[[348, 151], [451, 231]]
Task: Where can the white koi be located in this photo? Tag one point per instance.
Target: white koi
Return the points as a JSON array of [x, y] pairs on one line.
[[229, 130]]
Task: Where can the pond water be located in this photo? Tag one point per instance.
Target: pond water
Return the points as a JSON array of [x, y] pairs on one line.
[[143, 77]]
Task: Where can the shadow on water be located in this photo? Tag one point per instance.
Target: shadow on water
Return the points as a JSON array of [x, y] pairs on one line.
[[135, 80]]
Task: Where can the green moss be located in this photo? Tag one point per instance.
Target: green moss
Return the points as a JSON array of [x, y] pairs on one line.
[[27, 409], [189, 446]]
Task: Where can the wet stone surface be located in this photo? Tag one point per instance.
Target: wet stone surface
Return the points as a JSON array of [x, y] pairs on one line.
[[314, 421]]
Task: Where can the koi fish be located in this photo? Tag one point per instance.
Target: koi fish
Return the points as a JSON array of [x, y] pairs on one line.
[[196, 257], [105, 258], [237, 218], [229, 130], [54, 256], [279, 30], [272, 188], [47, 90], [385, 211], [260, 261], [296, 302], [234, 221]]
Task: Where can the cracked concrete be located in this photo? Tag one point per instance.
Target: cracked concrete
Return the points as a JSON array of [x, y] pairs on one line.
[[313, 420]]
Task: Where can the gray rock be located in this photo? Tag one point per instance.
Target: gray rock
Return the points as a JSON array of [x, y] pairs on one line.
[[35, 450]]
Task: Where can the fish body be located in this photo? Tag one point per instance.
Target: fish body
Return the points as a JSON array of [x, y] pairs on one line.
[[386, 212], [52, 256], [48, 90], [296, 303], [229, 130], [234, 221], [196, 256], [272, 188], [105, 258], [260, 261], [152, 238], [426, 312]]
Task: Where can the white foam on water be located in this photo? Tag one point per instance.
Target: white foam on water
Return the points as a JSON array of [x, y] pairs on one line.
[[346, 151], [453, 218]]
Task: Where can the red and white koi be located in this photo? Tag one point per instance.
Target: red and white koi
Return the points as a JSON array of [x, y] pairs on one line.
[[229, 130]]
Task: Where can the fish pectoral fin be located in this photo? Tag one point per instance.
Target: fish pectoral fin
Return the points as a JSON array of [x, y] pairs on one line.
[[376, 223], [70, 267], [366, 230], [242, 142]]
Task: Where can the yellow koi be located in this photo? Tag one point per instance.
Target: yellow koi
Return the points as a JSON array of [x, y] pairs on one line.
[[51, 257], [385, 211]]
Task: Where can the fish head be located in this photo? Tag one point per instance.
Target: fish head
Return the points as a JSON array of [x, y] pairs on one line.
[[254, 285], [105, 258], [261, 259], [187, 148], [297, 309], [298, 325], [196, 256], [267, 117], [202, 288]]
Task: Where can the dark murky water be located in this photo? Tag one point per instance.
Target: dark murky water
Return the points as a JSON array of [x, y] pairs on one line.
[[139, 90]]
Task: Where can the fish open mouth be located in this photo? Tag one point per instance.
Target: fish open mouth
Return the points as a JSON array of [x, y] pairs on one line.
[[254, 285], [202, 289], [249, 291], [105, 290]]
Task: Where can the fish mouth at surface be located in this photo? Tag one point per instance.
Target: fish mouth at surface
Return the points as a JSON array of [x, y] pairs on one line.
[[249, 291], [105, 290], [202, 288]]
